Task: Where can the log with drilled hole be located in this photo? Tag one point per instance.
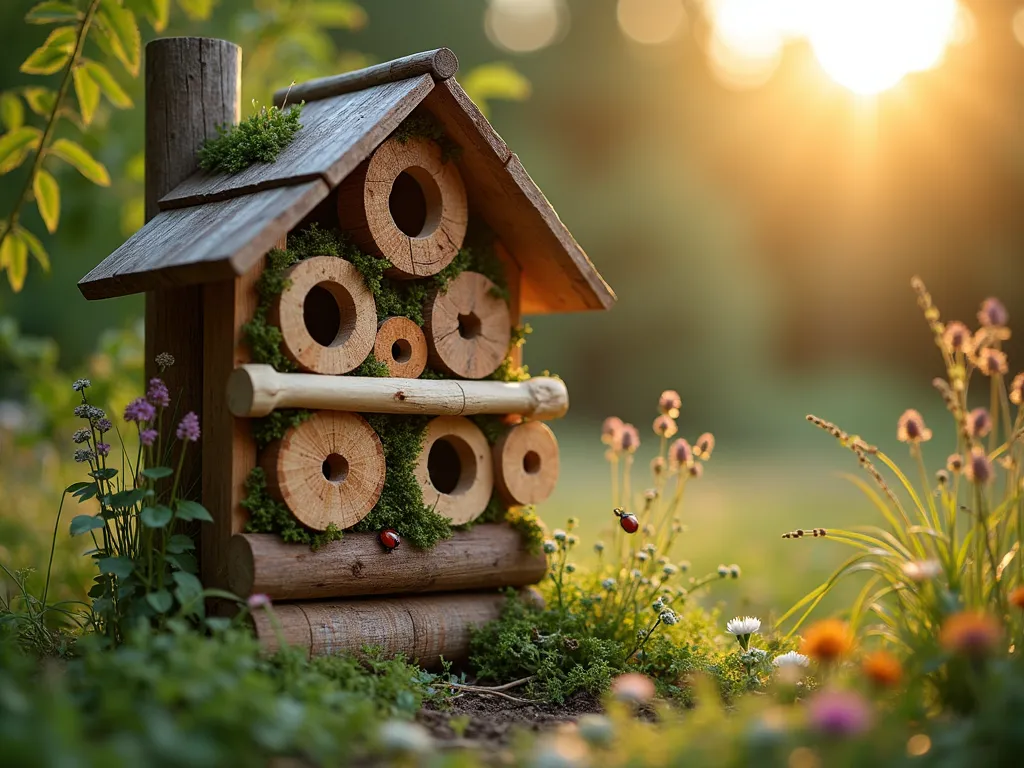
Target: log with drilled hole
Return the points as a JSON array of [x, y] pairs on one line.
[[526, 464], [455, 469], [468, 327], [407, 205], [327, 470], [401, 347], [327, 316]]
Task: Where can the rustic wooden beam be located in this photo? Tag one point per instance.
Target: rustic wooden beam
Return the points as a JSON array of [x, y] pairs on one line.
[[424, 627], [440, 63], [257, 390], [486, 556]]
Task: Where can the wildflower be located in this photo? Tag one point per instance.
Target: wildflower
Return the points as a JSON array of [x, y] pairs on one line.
[[81, 436], [669, 570], [840, 713], [399, 737], [81, 384], [1017, 598], [791, 659], [630, 438], [559, 534], [979, 468], [979, 423], [596, 730], [164, 361], [140, 410], [704, 446], [723, 571], [658, 604], [1017, 389], [611, 432], [669, 403], [883, 669], [188, 429], [993, 314], [668, 617], [683, 565], [665, 426], [570, 568], [259, 600], [642, 557], [957, 337], [599, 547], [572, 522], [696, 471], [911, 428], [103, 449], [657, 465], [991, 361], [922, 570], [147, 437], [572, 540], [743, 628], [83, 455], [972, 633], [680, 453], [651, 494], [942, 477], [827, 640], [955, 462], [550, 546], [608, 584], [104, 425], [90, 412], [633, 688], [734, 571], [157, 393], [635, 574]]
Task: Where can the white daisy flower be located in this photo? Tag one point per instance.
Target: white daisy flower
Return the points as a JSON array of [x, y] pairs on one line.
[[791, 659], [747, 625]]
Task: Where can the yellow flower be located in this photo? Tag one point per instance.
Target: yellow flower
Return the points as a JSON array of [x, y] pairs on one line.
[[827, 640]]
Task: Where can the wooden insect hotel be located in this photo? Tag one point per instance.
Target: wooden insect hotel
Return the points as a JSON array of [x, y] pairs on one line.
[[344, 322]]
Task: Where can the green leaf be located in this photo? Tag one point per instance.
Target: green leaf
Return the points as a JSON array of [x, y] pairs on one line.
[[52, 55], [495, 81], [179, 543], [36, 249], [196, 9], [118, 25], [40, 100], [156, 517], [337, 14], [191, 510], [126, 499], [106, 473], [76, 487], [53, 12], [14, 258], [77, 156], [184, 561], [12, 111], [47, 195], [108, 85], [160, 601], [88, 93], [155, 473], [156, 12], [85, 523], [121, 567], [15, 146], [86, 493]]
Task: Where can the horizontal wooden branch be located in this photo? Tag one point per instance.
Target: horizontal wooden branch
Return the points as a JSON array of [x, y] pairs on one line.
[[423, 627], [257, 390], [440, 63], [487, 556]]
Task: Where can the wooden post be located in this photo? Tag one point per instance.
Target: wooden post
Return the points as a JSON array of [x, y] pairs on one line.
[[192, 85]]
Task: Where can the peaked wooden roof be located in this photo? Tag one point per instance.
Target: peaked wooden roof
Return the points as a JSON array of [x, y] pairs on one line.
[[216, 226]]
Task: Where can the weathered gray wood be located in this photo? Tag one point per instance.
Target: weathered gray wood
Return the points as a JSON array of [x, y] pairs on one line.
[[440, 64], [203, 243], [337, 134], [192, 85], [484, 557]]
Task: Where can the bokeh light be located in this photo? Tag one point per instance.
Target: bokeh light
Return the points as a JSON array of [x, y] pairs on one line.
[[651, 22], [1018, 25], [522, 26], [746, 41]]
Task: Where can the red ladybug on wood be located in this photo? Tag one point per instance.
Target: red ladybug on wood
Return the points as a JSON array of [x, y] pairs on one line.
[[627, 520], [389, 539]]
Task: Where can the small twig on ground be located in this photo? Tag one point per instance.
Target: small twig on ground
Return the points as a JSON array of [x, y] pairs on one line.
[[495, 691]]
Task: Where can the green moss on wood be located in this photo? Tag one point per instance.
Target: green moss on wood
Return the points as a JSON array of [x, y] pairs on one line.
[[267, 515], [422, 124], [257, 139], [274, 427]]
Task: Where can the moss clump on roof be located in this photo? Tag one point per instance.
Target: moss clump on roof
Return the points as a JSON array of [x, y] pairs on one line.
[[257, 139], [423, 124]]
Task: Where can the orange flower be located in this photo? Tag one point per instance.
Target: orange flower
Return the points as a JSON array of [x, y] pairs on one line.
[[974, 633], [827, 640], [1017, 598], [883, 669]]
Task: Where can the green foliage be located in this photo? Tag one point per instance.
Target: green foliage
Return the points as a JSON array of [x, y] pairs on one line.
[[422, 124], [498, 80], [257, 139], [529, 525], [274, 426], [394, 298], [267, 515], [372, 367]]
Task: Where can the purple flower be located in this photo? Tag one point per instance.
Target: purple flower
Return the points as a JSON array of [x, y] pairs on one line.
[[147, 437], [993, 313], [83, 455], [630, 438], [840, 713], [157, 393], [81, 436], [140, 410], [104, 425], [81, 384], [681, 453], [259, 600], [188, 429], [103, 449]]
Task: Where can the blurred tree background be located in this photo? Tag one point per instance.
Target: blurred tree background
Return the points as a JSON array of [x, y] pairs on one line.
[[758, 209]]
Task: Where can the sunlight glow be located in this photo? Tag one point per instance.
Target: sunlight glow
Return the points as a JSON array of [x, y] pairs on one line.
[[746, 41], [522, 26], [651, 22]]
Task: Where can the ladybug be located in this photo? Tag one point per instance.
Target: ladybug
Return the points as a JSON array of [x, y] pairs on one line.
[[627, 520], [389, 539]]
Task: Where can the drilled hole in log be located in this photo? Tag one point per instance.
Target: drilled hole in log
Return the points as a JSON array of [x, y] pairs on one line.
[[469, 326], [415, 202], [329, 313], [335, 468], [451, 465], [401, 351], [531, 462]]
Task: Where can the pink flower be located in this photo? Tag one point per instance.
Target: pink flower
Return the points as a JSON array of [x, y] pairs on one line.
[[840, 713], [611, 432], [979, 423], [681, 453], [705, 445], [630, 438], [103, 449], [911, 428], [993, 313], [147, 437], [188, 429], [140, 410], [669, 403], [979, 468], [633, 687], [157, 393], [259, 600], [665, 426]]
